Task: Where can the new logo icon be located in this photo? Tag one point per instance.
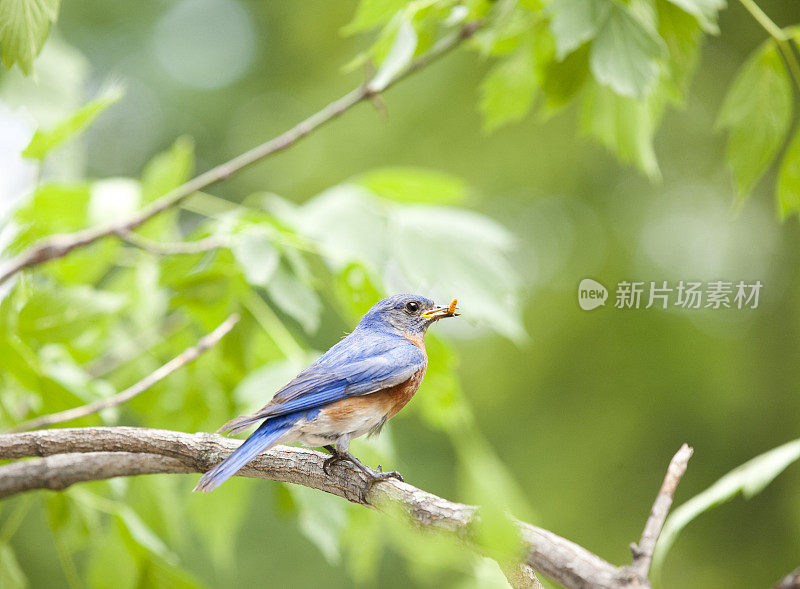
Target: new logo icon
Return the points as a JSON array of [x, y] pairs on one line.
[[591, 294]]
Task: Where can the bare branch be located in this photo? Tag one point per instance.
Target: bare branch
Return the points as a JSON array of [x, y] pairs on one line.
[[58, 246], [119, 451], [62, 470], [182, 359], [171, 249], [643, 552]]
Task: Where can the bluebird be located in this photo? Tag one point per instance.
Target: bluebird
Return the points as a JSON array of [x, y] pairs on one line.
[[351, 390]]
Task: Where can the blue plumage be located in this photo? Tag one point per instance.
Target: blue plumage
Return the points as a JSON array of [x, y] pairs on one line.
[[265, 436], [350, 390]]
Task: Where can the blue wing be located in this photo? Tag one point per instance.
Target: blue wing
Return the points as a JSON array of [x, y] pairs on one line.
[[350, 368]]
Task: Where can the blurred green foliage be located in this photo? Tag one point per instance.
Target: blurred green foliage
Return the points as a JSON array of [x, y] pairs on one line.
[[530, 405]]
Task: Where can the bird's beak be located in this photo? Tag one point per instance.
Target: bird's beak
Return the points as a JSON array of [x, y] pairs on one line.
[[440, 312]]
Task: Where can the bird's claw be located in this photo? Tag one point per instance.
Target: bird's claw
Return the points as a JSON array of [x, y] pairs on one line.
[[376, 476], [389, 474], [329, 462], [373, 475]]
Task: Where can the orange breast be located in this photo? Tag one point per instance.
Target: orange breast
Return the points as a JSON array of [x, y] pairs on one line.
[[417, 340], [387, 401], [397, 396]]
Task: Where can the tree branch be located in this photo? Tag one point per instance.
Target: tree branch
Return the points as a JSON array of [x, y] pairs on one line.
[[643, 552], [58, 246], [182, 359], [62, 470], [171, 249], [69, 456]]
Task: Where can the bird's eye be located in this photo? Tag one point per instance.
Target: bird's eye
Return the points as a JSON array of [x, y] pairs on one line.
[[412, 306]]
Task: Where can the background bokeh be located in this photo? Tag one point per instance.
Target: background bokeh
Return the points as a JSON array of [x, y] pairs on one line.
[[588, 409]]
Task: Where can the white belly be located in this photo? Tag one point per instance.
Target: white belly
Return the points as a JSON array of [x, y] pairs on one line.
[[322, 430]]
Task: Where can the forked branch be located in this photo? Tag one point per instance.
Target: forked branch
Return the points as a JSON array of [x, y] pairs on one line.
[[69, 456]]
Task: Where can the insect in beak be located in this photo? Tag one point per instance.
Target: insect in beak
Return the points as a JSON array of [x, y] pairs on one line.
[[440, 312]]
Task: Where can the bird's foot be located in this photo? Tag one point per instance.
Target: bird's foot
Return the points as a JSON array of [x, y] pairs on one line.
[[334, 458], [376, 476], [373, 475], [379, 475]]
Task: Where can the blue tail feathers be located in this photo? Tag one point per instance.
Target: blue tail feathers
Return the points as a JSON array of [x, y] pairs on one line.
[[263, 438]]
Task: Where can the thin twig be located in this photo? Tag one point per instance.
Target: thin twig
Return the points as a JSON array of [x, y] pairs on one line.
[[72, 455], [643, 552], [765, 21], [780, 35], [182, 359], [171, 249], [58, 246]]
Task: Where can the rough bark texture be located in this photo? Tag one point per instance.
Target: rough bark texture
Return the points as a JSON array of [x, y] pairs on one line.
[[63, 457]]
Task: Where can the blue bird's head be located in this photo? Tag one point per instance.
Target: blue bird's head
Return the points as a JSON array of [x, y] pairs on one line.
[[409, 314]]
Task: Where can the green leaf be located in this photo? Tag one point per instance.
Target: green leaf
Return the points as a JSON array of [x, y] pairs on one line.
[[372, 13], [160, 574], [143, 535], [53, 208], [348, 222], [63, 314], [443, 405], [43, 142], [574, 22], [322, 519], [59, 366], [508, 24], [756, 112], [113, 199], [111, 558], [208, 286], [295, 299], [256, 255], [255, 388], [60, 208], [508, 90], [19, 361], [165, 172], [11, 574], [407, 184], [168, 170], [681, 34], [458, 253], [220, 533], [485, 481], [749, 479], [446, 250], [789, 179], [705, 11], [625, 53], [357, 289], [363, 542], [398, 57], [624, 125], [24, 26], [562, 80]]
